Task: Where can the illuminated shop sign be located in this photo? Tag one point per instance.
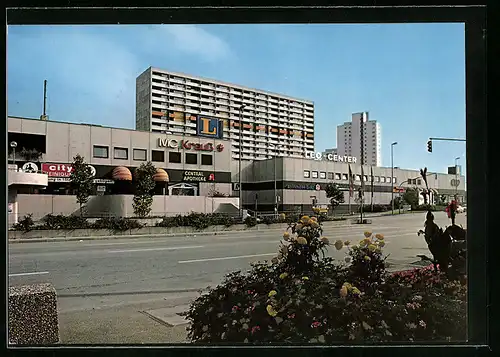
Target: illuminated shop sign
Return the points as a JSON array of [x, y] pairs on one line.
[[331, 157], [186, 145], [209, 127], [197, 176], [61, 170]]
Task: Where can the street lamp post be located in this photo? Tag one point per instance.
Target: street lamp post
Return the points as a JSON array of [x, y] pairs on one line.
[[456, 177], [239, 159], [13, 145], [392, 174], [276, 147]]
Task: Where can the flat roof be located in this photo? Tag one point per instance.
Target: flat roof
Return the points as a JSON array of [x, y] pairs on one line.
[[180, 74]]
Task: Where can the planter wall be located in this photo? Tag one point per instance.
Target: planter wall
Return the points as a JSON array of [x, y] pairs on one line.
[[147, 231]]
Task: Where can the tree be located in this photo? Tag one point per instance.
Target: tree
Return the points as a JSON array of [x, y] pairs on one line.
[[410, 197], [424, 193], [335, 195], [30, 154], [144, 184], [398, 202], [82, 181]]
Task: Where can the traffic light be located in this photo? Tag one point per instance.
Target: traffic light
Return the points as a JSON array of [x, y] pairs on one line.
[[429, 146]]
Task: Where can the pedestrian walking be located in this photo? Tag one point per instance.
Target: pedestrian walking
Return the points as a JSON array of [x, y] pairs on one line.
[[451, 209]]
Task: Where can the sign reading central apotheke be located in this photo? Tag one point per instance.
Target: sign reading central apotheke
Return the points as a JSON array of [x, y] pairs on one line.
[[186, 145], [197, 176]]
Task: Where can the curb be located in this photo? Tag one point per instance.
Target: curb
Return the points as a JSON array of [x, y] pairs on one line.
[[131, 236]]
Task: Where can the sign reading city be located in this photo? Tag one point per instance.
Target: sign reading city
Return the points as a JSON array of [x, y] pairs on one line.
[[331, 157], [197, 176], [61, 170], [209, 127], [187, 145]]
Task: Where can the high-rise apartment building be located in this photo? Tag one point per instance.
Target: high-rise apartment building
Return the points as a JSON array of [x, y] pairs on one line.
[[360, 138], [272, 124]]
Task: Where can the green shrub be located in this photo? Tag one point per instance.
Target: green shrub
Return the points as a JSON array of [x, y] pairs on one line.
[[426, 207], [303, 297], [197, 220], [116, 224], [25, 224], [60, 221], [376, 208], [250, 221], [270, 220]]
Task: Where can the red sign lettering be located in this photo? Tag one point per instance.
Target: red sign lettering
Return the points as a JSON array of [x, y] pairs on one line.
[[57, 170]]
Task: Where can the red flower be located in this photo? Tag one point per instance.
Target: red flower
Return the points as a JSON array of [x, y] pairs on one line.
[[316, 324], [255, 329]]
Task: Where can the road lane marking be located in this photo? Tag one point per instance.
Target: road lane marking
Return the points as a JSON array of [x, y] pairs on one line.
[[225, 258], [26, 274], [155, 249]]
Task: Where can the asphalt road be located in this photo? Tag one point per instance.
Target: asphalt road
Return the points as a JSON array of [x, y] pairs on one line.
[[95, 274]]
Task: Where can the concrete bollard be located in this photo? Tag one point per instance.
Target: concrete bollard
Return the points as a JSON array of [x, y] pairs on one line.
[[33, 318]]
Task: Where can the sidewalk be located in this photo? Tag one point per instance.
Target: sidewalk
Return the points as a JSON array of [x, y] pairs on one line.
[[144, 323]]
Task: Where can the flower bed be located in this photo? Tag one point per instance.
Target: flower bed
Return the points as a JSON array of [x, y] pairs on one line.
[[301, 296]]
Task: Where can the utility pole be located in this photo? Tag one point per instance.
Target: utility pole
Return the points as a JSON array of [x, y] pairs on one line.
[[239, 160], [44, 115]]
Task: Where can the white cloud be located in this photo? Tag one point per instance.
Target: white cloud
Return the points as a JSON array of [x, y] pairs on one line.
[[194, 40]]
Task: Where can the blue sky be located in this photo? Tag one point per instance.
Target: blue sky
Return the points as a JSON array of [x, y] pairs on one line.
[[410, 77]]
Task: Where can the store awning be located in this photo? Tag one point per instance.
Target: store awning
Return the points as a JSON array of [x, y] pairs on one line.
[[161, 176], [121, 173]]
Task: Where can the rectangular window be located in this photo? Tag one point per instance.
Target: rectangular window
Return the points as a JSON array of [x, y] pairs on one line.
[[419, 182], [365, 178], [345, 177], [358, 178], [101, 152], [315, 174], [338, 176], [307, 174], [322, 175], [120, 153], [157, 156], [377, 178], [191, 159], [174, 157], [382, 179], [330, 176], [394, 180], [140, 154], [206, 159], [388, 180]]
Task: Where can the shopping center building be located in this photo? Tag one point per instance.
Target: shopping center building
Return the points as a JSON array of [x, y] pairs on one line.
[[187, 167]]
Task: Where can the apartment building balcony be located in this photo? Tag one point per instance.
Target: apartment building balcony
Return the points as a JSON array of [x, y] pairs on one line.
[[260, 136], [222, 89], [283, 114], [235, 91], [190, 124], [191, 83], [188, 96], [275, 112], [177, 101], [296, 110], [207, 106], [158, 77], [159, 92], [249, 95], [177, 80], [221, 95]]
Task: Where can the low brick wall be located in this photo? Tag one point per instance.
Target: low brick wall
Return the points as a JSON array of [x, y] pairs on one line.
[[33, 318]]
